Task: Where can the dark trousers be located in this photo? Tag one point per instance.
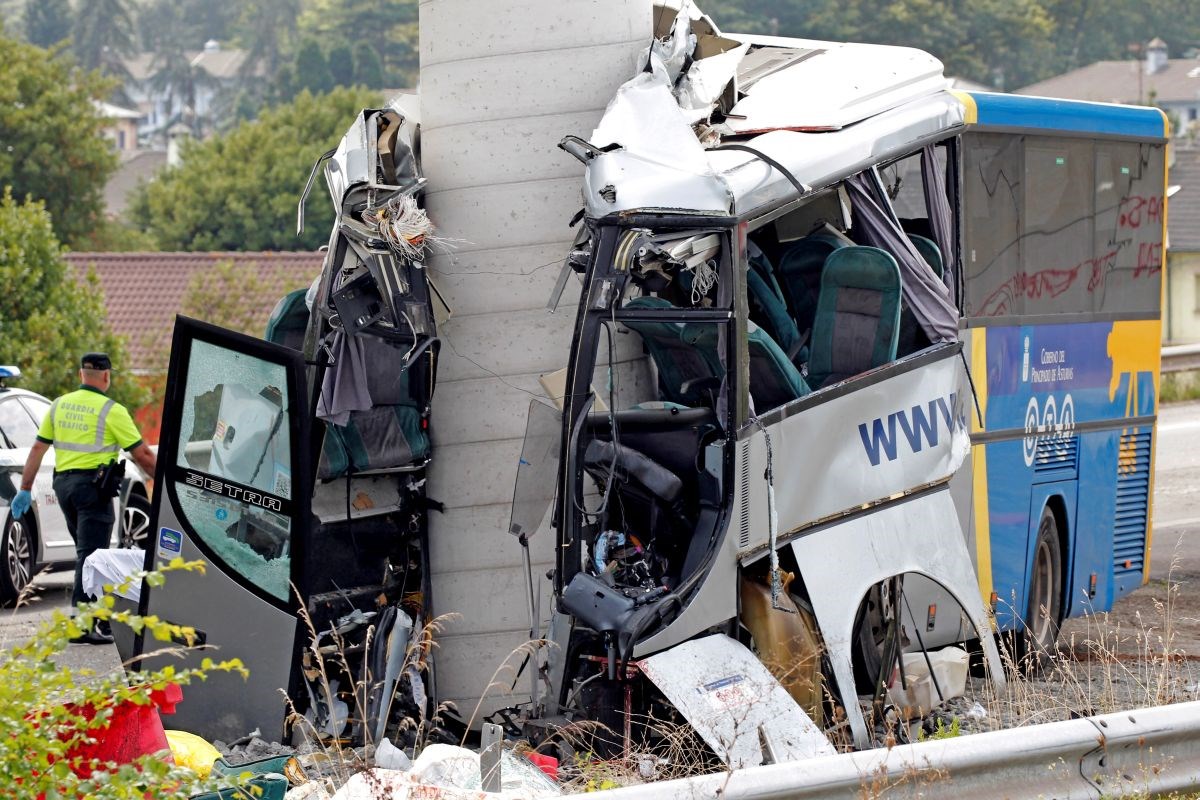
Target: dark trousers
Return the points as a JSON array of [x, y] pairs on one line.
[[89, 519]]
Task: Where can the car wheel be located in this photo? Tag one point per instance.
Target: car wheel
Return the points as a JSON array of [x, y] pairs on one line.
[[135, 522], [16, 558], [1044, 615]]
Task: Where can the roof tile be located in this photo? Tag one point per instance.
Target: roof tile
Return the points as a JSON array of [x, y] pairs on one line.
[[144, 291]]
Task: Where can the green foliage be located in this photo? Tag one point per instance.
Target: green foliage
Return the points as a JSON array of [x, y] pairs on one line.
[[196, 21], [368, 67], [1006, 43], [52, 148], [238, 191], [266, 28], [50, 319], [114, 236], [230, 295], [311, 68], [341, 64], [387, 26], [174, 74], [102, 33], [43, 703], [47, 22], [942, 731], [1178, 387]]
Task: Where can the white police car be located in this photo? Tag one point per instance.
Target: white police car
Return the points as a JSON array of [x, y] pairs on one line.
[[40, 538]]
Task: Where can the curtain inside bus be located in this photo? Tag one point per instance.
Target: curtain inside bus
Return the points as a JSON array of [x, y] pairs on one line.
[[937, 205], [924, 292]]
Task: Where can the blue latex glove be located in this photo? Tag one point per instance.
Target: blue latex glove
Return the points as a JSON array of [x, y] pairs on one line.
[[21, 503]]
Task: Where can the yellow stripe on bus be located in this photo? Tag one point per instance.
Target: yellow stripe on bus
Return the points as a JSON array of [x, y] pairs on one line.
[[979, 477], [970, 108]]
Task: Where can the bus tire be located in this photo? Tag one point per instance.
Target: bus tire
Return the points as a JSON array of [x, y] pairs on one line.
[[1044, 615]]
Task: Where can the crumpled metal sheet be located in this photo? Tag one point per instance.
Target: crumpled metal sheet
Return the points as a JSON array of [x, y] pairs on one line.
[[351, 171], [863, 100]]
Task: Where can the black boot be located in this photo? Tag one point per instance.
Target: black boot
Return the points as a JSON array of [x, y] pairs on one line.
[[96, 635]]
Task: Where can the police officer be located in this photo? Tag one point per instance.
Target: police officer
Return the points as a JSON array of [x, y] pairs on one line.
[[87, 431]]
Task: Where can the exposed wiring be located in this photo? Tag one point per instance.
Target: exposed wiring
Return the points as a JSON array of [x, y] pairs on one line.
[[800, 187], [704, 278], [469, 272], [447, 341], [772, 523]]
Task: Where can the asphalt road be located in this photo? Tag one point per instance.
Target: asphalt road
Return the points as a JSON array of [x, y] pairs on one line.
[[1175, 548], [1177, 492]]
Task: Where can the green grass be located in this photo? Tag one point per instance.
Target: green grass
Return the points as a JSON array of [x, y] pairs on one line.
[[1180, 386]]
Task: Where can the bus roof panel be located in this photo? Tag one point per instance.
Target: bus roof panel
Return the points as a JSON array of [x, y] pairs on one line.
[[1010, 111], [828, 85], [819, 159]]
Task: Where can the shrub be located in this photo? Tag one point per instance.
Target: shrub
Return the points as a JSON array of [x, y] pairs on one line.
[[48, 712]]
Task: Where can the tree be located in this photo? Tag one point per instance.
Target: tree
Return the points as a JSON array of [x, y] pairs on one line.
[[52, 148], [50, 317], [103, 32], [387, 26], [174, 74], [265, 29], [238, 191], [341, 64], [47, 22], [368, 68], [1010, 44], [312, 68]]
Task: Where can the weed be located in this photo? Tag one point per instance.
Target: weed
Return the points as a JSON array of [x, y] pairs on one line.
[[52, 714]]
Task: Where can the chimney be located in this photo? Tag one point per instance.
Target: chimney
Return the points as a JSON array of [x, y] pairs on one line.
[[1156, 56], [175, 136], [213, 46]]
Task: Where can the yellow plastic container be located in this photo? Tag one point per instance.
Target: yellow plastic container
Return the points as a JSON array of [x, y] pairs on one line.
[[786, 642]]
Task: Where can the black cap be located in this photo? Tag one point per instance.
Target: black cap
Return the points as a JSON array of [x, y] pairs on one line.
[[95, 361]]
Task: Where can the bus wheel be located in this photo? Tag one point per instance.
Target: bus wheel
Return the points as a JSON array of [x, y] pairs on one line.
[[1044, 615]]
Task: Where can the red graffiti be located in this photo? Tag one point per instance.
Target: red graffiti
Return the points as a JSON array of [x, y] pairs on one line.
[[1033, 285], [1053, 282], [1150, 257], [1135, 211], [1100, 267]]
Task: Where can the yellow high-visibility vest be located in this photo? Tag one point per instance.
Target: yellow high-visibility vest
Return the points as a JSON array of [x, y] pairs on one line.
[[87, 429]]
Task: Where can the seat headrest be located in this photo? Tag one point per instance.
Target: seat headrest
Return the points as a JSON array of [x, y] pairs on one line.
[[861, 267]]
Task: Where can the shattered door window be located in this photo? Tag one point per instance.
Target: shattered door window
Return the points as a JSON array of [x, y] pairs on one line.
[[234, 444]]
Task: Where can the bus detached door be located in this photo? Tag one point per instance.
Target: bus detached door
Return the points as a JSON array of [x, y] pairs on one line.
[[232, 488]]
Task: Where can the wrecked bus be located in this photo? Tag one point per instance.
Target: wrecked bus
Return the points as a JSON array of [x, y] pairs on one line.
[[849, 348], [295, 467]]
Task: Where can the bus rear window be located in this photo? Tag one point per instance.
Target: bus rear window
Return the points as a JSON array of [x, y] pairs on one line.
[[1060, 225]]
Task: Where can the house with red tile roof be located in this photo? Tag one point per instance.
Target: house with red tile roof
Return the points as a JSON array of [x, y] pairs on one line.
[[144, 291]]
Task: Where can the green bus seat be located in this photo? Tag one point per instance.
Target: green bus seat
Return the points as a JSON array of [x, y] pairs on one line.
[[930, 252], [912, 338], [800, 272], [774, 379], [857, 322], [677, 361]]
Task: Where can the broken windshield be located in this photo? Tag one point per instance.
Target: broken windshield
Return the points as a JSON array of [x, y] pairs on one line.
[[235, 434]]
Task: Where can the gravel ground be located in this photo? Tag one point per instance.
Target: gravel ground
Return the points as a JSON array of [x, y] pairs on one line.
[[1145, 652]]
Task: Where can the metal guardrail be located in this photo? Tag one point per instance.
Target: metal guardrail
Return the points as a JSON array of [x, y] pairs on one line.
[[1128, 754], [1180, 357]]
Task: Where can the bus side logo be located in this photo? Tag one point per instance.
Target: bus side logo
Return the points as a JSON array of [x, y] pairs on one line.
[[919, 425], [1047, 424]]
